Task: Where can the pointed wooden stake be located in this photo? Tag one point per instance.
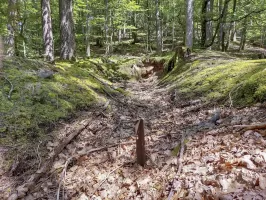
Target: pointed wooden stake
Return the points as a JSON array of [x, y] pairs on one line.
[[140, 142]]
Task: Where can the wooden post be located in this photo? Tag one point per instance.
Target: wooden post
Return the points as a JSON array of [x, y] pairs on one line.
[[140, 142]]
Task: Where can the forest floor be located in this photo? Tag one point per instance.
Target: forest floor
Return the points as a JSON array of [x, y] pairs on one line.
[[188, 156]]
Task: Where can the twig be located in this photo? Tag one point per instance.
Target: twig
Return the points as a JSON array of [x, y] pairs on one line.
[[38, 154], [181, 154], [11, 88], [230, 96], [62, 178], [106, 179], [251, 127], [103, 148], [230, 99]]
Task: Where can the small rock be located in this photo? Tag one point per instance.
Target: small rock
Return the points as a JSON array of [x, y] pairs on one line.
[[45, 73], [216, 116]]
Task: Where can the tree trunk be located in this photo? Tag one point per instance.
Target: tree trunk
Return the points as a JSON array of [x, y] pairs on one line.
[[148, 26], [88, 49], [12, 18], [67, 35], [47, 31], [189, 24], [220, 33], [204, 22], [206, 26], [1, 52], [243, 36], [231, 28], [106, 28], [158, 28]]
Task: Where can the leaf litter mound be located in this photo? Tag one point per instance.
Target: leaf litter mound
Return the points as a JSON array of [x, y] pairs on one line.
[[188, 156]]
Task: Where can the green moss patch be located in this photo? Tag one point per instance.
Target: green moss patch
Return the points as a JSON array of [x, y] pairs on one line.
[[36, 102], [214, 79]]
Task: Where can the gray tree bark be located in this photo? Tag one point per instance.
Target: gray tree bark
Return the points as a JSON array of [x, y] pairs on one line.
[[88, 27], [67, 35], [189, 24], [10, 39], [209, 28], [47, 31], [158, 28]]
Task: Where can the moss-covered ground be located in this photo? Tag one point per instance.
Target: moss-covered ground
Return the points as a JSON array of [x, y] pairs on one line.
[[36, 103], [219, 78]]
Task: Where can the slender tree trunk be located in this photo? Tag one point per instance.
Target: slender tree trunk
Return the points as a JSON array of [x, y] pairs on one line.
[[219, 25], [243, 35], [119, 35], [158, 27], [10, 39], [206, 26], [173, 26], [220, 10], [124, 31], [67, 35], [231, 28], [88, 27], [204, 22], [47, 31], [189, 24], [148, 26], [1, 52], [107, 50]]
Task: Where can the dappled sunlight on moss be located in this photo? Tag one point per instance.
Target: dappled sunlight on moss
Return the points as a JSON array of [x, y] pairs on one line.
[[215, 79], [38, 101]]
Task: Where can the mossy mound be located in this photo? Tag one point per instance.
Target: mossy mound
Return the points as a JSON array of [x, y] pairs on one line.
[[36, 102], [219, 79]]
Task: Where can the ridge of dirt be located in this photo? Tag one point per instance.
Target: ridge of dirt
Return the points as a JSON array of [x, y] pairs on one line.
[[219, 161]]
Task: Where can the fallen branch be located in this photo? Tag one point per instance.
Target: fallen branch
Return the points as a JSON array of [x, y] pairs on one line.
[[22, 190], [103, 148], [251, 127]]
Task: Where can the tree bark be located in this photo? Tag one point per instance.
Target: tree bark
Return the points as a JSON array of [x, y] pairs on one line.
[[88, 49], [189, 24], [47, 31], [206, 25], [12, 18], [158, 28], [243, 35], [67, 35]]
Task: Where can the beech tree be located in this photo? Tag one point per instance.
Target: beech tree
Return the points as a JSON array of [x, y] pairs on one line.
[[11, 26], [47, 31], [189, 24], [67, 35]]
